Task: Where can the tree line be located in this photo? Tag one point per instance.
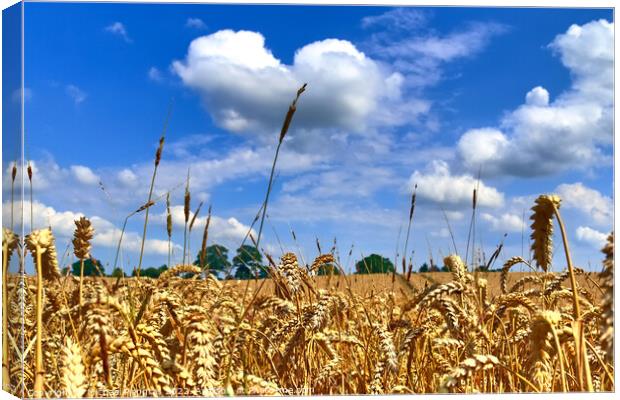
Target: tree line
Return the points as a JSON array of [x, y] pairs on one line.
[[247, 264]]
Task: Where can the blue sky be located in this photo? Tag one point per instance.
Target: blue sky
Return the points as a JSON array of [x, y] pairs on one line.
[[396, 96]]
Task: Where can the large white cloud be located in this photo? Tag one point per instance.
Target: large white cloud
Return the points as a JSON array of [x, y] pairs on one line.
[[245, 88], [587, 200], [591, 236], [84, 175], [439, 185], [504, 223], [574, 131]]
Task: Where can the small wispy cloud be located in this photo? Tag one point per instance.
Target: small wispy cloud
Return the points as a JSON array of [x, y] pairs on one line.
[[118, 29], [195, 23], [154, 74], [399, 18], [77, 94]]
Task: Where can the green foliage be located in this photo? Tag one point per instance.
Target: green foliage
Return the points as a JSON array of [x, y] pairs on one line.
[[424, 267], [118, 272], [327, 269], [247, 263], [374, 264], [216, 259], [89, 268], [151, 272]]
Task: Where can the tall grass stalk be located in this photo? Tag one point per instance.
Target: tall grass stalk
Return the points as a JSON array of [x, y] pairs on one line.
[[169, 227], [191, 225], [186, 203], [13, 175], [30, 181], [287, 121], [158, 154], [120, 239], [411, 210], [203, 247], [471, 236], [445, 216], [581, 357]]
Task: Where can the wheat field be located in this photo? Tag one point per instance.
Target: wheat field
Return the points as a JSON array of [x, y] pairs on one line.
[[190, 334]]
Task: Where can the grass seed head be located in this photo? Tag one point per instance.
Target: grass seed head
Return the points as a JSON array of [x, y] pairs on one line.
[[542, 229], [81, 238]]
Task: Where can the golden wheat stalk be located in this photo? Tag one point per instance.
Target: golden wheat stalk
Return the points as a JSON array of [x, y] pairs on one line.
[[9, 244], [158, 154], [542, 229], [82, 236], [13, 175], [287, 121], [179, 269], [29, 170], [479, 362], [456, 266], [411, 210], [186, 204], [205, 236], [607, 308], [169, 226], [38, 243], [191, 226], [73, 380]]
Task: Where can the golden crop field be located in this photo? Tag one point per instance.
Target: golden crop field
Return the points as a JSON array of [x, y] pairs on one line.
[[297, 333]]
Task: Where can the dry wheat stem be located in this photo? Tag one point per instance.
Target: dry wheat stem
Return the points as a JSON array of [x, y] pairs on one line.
[[158, 155], [283, 132]]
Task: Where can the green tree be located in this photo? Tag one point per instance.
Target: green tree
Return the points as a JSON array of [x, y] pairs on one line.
[[89, 268], [151, 272], [327, 269], [247, 263], [424, 267], [374, 264], [118, 272], [216, 259]]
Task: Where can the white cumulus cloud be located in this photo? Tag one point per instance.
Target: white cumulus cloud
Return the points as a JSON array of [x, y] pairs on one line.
[[84, 175], [245, 88], [573, 131], [504, 223], [439, 185], [592, 236], [587, 200], [127, 177]]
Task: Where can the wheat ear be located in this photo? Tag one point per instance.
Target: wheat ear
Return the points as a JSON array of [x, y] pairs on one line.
[[542, 229], [38, 243], [607, 309], [9, 244], [73, 379], [81, 246]]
